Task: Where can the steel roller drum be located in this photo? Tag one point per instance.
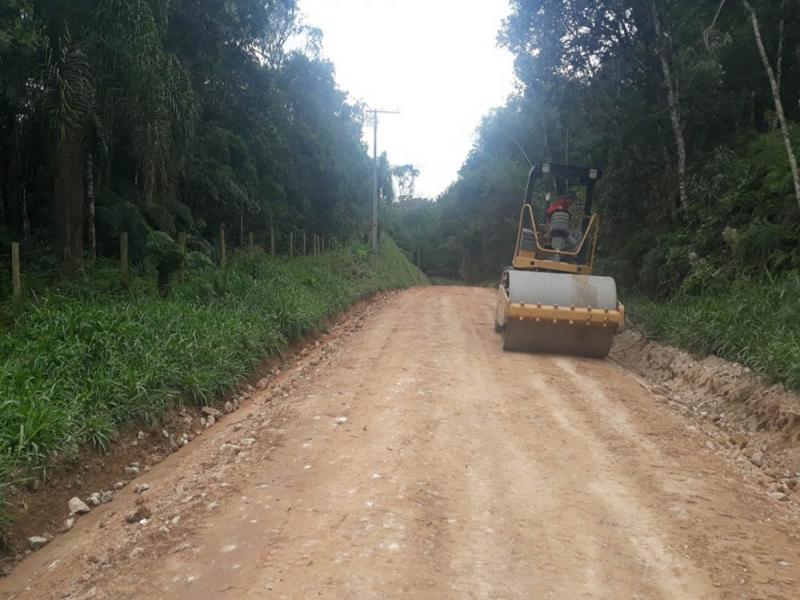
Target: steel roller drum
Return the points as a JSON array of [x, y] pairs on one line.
[[563, 290]]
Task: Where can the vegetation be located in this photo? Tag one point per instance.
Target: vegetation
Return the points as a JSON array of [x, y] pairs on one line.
[[86, 359], [752, 322], [696, 130], [172, 116], [168, 118]]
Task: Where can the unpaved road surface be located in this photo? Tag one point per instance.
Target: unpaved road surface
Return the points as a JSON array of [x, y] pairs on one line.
[[415, 459]]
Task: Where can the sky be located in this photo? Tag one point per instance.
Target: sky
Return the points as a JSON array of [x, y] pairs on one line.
[[436, 61]]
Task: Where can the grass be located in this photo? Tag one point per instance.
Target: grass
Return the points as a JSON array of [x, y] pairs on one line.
[[82, 361], [756, 323]]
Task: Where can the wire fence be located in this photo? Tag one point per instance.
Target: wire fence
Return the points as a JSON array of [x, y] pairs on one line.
[[27, 256]]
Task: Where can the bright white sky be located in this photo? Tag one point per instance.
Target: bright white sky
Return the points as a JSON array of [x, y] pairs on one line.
[[436, 61]]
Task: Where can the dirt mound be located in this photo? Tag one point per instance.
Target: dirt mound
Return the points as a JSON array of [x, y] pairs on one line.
[[761, 420]]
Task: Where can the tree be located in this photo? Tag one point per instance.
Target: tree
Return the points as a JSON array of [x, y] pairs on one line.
[[406, 176], [662, 48], [68, 102], [776, 96]]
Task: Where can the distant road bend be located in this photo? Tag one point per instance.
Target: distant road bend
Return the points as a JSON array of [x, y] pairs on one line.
[[408, 456]]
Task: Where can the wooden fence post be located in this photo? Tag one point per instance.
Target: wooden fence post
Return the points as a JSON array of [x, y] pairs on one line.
[[15, 276], [182, 246], [222, 256], [272, 240], [304, 243], [123, 255], [291, 244]]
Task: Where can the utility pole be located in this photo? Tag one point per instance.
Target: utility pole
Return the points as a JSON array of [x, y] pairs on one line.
[[375, 112]]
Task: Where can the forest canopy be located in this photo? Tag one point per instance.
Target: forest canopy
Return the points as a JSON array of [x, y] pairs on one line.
[[676, 102], [173, 116]]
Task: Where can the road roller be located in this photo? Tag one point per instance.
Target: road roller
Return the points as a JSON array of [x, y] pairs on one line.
[[549, 300]]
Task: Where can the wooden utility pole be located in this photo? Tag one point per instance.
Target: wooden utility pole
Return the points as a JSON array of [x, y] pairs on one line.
[[375, 112]]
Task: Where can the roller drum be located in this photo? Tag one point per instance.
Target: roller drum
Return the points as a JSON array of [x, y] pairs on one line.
[[563, 290]]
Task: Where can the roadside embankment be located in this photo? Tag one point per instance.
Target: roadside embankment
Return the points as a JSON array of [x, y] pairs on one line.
[[82, 364]]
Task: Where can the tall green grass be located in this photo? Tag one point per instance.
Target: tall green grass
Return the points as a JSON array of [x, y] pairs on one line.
[[82, 361], [756, 323]]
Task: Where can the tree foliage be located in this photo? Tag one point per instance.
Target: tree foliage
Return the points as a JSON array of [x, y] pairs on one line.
[[592, 90], [183, 114]]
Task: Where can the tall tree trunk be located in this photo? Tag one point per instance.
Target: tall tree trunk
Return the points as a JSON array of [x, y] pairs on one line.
[[90, 200], [776, 97], [69, 201], [673, 98], [779, 61]]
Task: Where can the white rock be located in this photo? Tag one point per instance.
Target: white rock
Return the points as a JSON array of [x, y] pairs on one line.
[[37, 541], [77, 507], [211, 411], [94, 499], [69, 523], [228, 408], [120, 484], [106, 496], [229, 449], [141, 488], [779, 496]]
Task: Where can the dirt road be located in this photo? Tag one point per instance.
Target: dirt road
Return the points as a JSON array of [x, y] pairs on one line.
[[415, 459]]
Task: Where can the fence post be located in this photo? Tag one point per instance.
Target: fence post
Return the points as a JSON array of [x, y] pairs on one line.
[[272, 240], [291, 244], [15, 277], [222, 245], [182, 246], [304, 243], [123, 255]]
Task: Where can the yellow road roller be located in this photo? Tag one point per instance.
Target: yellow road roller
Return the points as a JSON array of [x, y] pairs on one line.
[[549, 300]]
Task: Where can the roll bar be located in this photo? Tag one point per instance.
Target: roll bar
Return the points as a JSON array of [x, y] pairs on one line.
[[587, 176]]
